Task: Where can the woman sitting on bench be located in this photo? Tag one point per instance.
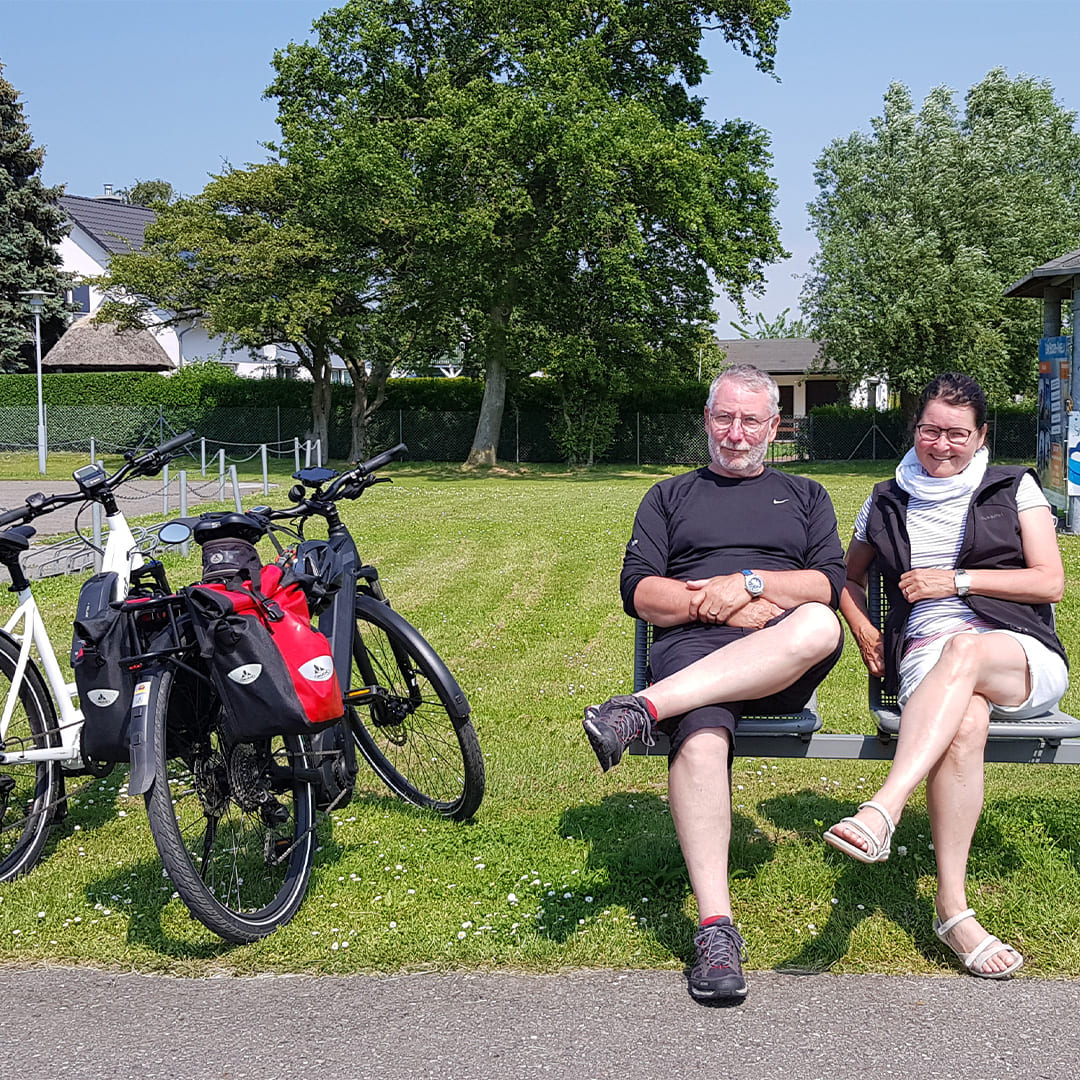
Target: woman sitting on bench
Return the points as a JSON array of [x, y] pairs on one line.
[[969, 558]]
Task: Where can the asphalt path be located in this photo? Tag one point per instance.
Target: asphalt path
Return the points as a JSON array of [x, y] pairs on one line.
[[135, 498], [583, 1025]]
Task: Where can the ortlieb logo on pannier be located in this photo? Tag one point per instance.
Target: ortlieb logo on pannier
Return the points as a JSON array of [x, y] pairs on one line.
[[272, 669]]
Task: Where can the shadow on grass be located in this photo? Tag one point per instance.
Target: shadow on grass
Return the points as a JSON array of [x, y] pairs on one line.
[[150, 893], [632, 839], [890, 888]]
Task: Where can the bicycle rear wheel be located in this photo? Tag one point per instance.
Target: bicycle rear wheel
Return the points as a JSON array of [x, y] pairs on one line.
[[28, 791], [410, 718], [234, 824]]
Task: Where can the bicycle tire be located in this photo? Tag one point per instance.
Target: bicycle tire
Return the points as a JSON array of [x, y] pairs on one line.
[[29, 791], [409, 717], [243, 871]]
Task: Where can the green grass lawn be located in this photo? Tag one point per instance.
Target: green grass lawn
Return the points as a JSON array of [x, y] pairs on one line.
[[512, 575]]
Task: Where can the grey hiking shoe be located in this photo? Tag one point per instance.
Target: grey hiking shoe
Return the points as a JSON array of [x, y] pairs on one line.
[[717, 971], [611, 727]]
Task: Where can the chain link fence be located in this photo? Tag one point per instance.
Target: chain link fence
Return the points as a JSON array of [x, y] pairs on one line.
[[431, 435]]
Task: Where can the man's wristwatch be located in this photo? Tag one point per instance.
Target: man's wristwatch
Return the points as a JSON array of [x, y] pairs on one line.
[[754, 585], [962, 580]]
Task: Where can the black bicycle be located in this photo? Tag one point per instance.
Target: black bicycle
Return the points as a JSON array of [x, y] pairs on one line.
[[234, 823]]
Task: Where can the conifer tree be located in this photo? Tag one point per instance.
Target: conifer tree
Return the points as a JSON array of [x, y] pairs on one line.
[[32, 223]]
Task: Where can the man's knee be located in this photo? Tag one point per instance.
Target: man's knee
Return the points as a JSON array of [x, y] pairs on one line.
[[706, 751], [812, 631]]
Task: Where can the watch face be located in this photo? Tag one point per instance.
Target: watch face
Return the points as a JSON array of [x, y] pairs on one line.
[[754, 585]]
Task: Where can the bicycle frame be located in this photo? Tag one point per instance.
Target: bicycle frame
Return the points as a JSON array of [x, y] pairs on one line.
[[122, 556]]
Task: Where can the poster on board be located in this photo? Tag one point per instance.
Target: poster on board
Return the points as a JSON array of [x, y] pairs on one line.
[[1054, 441]]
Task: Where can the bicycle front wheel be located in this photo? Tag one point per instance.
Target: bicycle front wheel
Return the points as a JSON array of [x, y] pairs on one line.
[[234, 824], [409, 717], [28, 791]]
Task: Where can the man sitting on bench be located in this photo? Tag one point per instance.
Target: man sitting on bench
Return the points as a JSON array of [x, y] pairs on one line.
[[740, 568]]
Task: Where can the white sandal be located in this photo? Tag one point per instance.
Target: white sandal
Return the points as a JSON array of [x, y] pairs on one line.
[[989, 946], [877, 850]]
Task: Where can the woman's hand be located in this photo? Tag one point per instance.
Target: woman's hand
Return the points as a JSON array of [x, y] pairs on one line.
[[872, 648], [927, 584]]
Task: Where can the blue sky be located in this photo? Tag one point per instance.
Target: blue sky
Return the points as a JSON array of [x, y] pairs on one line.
[[119, 90]]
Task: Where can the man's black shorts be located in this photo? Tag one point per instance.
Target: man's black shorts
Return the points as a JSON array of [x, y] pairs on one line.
[[680, 648]]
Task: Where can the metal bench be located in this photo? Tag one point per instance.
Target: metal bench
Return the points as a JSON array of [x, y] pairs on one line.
[[1051, 738]]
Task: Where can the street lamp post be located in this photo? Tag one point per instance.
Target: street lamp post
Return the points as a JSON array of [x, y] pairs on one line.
[[36, 299]]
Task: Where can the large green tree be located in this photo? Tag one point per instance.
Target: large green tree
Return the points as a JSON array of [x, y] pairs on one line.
[[32, 224], [925, 220], [547, 189]]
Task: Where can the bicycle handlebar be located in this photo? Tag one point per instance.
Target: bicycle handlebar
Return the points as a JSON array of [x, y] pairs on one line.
[[153, 460], [377, 462]]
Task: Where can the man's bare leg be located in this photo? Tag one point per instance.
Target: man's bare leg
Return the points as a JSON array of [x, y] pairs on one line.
[[699, 792], [756, 666]]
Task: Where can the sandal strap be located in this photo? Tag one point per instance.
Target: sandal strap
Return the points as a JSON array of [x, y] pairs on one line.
[[989, 946], [942, 929], [874, 843], [889, 823]]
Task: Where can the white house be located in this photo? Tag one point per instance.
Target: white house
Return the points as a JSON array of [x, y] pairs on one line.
[[105, 226]]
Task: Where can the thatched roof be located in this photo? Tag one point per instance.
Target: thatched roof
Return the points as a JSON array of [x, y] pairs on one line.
[[86, 347]]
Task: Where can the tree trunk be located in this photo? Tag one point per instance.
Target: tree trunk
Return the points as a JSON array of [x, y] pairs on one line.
[[369, 392], [320, 403], [489, 426]]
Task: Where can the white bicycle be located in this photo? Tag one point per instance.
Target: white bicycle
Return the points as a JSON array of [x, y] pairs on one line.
[[41, 728]]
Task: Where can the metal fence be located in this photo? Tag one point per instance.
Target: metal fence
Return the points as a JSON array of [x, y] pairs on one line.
[[641, 438]]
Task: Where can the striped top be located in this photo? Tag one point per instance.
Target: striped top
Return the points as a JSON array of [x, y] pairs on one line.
[[936, 531]]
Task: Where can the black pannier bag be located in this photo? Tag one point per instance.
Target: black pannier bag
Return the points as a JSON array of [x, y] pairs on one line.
[[272, 670], [103, 636]]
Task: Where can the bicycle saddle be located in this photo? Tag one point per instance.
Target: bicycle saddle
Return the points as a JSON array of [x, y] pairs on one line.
[[228, 525]]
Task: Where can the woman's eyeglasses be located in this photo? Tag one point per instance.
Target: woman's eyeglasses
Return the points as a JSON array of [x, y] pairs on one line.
[[955, 436]]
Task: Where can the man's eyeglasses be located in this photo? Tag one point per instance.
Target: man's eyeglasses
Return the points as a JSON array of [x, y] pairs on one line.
[[751, 425], [956, 436]]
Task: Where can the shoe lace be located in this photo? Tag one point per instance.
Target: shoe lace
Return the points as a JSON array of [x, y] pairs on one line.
[[723, 947], [629, 719]]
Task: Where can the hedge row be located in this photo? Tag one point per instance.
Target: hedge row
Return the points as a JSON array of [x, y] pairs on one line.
[[215, 385]]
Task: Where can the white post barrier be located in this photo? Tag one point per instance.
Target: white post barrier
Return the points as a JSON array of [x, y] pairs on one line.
[[318, 452], [165, 491], [266, 475], [221, 475], [307, 453], [296, 451], [235, 487], [93, 455], [202, 455], [181, 477]]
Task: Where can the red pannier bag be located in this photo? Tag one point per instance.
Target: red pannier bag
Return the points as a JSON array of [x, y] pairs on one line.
[[273, 671]]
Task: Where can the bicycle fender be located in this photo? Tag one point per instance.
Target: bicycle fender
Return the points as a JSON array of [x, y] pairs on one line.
[[141, 732]]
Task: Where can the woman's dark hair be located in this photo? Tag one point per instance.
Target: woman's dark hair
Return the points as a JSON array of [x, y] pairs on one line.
[[954, 389]]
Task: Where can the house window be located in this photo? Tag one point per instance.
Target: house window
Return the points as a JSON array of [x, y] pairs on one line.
[[787, 400], [824, 392], [79, 299]]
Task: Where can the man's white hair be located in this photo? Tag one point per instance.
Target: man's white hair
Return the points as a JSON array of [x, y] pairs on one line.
[[753, 378]]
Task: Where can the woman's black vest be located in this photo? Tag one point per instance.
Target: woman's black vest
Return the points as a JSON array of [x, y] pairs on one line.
[[991, 542]]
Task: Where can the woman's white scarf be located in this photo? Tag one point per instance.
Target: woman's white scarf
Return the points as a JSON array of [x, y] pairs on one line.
[[916, 481]]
